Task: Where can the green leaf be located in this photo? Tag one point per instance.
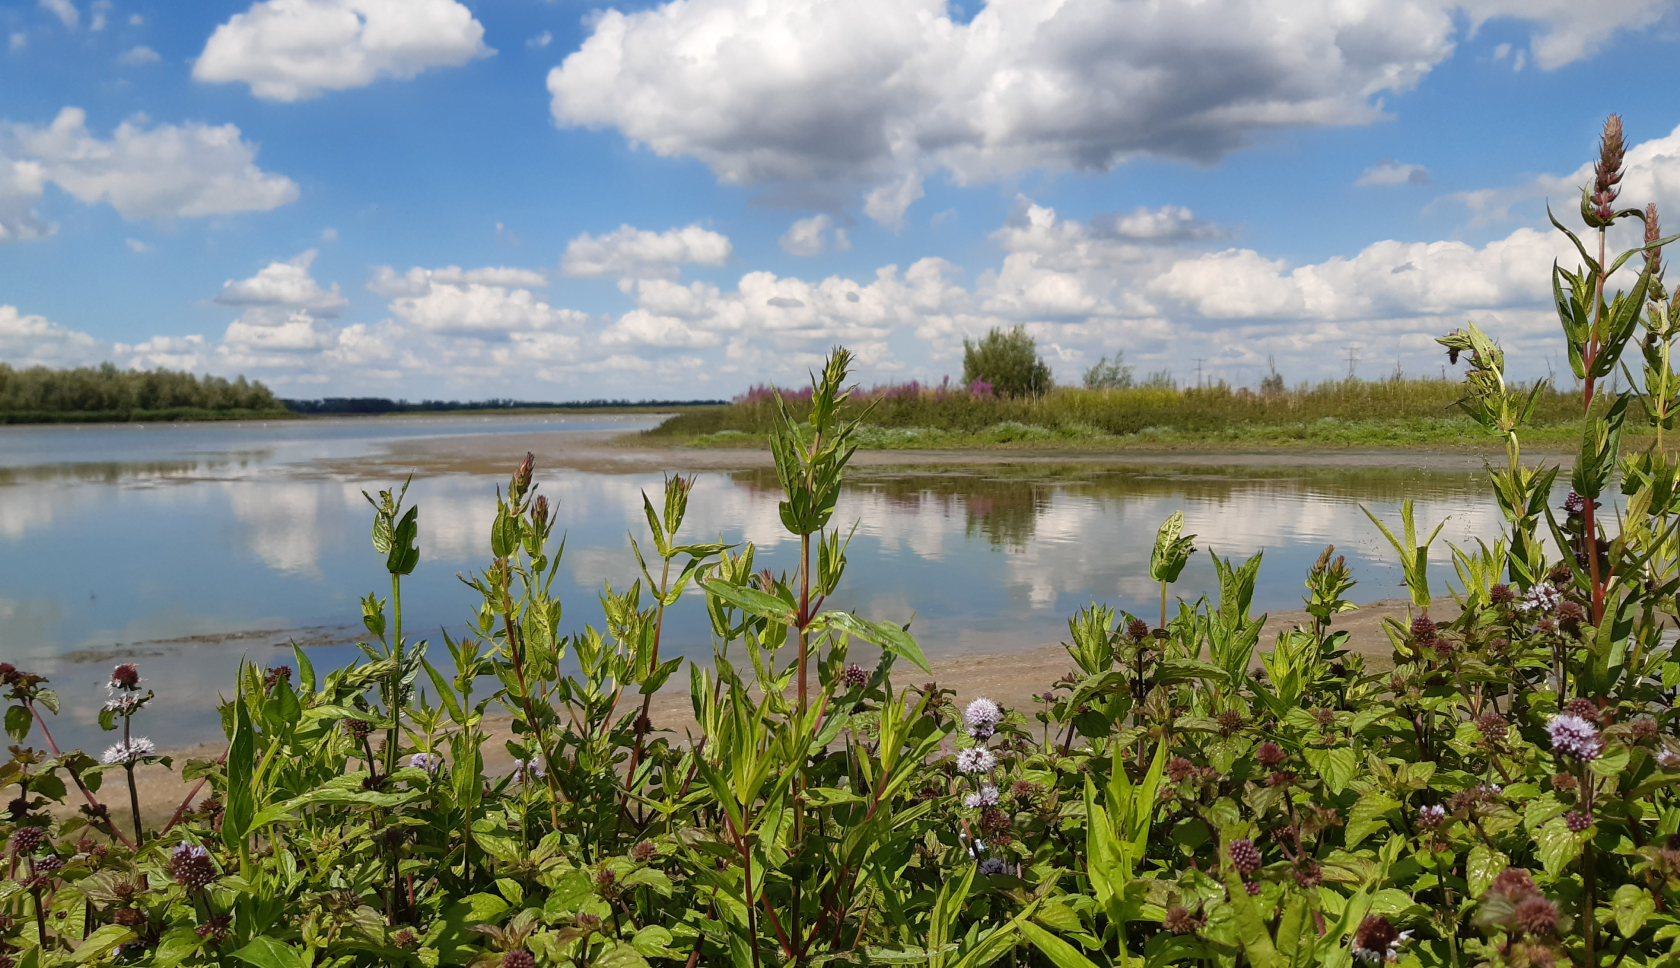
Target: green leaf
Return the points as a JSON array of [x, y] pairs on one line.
[[1367, 817], [241, 763], [17, 723], [404, 555], [1484, 865], [1336, 766], [1060, 953], [752, 601], [1251, 925], [887, 635], [1559, 846], [1632, 906], [103, 942], [265, 952]]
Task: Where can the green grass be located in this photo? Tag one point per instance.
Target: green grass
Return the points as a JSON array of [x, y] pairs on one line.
[[1345, 413]]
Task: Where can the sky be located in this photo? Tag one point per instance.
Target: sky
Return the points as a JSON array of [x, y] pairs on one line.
[[551, 200]]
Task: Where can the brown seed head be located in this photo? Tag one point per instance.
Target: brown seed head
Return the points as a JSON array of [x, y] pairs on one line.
[[1607, 171], [1181, 920], [1515, 883], [1537, 916]]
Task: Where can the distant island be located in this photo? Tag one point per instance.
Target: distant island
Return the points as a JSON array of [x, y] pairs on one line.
[[106, 394]]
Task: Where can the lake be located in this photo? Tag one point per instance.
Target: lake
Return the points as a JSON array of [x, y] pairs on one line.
[[183, 547]]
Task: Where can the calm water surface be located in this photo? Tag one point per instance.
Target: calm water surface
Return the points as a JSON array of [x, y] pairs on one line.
[[186, 547]]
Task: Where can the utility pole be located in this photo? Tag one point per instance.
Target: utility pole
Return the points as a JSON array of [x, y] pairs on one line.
[[1352, 360], [1199, 361]]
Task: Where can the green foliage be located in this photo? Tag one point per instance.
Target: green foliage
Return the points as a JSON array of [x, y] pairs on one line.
[[1505, 793], [1107, 374], [1008, 360], [39, 394]]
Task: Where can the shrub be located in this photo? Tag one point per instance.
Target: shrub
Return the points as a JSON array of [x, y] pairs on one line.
[[1108, 374], [1007, 362]]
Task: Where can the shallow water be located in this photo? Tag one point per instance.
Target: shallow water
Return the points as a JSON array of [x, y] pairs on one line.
[[185, 547]]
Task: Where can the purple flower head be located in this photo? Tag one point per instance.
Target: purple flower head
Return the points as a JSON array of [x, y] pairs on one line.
[[430, 763], [1573, 736], [1431, 816], [1574, 503], [994, 865], [1543, 598], [986, 797], [524, 770], [976, 759], [981, 717], [855, 675], [190, 866]]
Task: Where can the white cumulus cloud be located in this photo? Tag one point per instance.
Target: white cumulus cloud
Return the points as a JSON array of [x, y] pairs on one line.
[[38, 341], [290, 50], [814, 236], [139, 56], [286, 284], [64, 10], [629, 252], [486, 304], [143, 171]]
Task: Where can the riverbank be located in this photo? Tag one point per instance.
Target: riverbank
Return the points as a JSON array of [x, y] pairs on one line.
[[1013, 679]]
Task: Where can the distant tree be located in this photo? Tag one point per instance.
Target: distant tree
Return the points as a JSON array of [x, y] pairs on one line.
[[1110, 374], [1008, 360], [1160, 380], [1271, 385]]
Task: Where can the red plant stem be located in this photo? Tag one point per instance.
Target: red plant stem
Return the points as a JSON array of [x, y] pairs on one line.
[[1591, 529], [99, 808]]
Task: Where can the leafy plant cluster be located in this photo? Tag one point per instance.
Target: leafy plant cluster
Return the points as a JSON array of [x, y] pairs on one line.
[[1502, 795]]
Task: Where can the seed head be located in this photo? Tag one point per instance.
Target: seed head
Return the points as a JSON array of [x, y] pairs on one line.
[[49, 865], [403, 938], [1564, 782], [1607, 171], [358, 728], [1245, 857], [1229, 721], [131, 917], [1138, 629], [1375, 940], [644, 852], [277, 674], [1179, 769], [219, 925], [522, 477], [1645, 729], [519, 958], [1269, 754], [854, 676], [190, 866], [1577, 821], [994, 821], [124, 677], [1584, 708], [1307, 874], [1569, 618], [1653, 257], [1493, 726], [1423, 629], [1501, 595], [27, 840], [1537, 916], [1181, 920], [1514, 883]]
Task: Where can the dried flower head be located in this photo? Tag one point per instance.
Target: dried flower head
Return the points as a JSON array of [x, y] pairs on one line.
[[277, 674], [1307, 874], [219, 925], [130, 918], [1514, 883], [1501, 595], [1376, 940], [1584, 708], [1493, 726], [1645, 729], [1024, 790], [1181, 920], [644, 852], [1569, 618], [994, 865], [1269, 754], [358, 728], [519, 958], [1607, 170], [1229, 721], [1138, 629], [124, 678], [1179, 769], [1564, 782], [1537, 916], [994, 821], [1423, 629]]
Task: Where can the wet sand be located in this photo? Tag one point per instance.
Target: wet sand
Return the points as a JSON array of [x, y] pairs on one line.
[[1012, 679]]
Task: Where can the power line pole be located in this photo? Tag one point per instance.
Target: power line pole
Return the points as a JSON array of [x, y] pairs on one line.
[[1199, 361], [1352, 360]]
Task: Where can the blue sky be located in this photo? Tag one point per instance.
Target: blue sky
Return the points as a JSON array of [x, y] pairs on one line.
[[438, 199]]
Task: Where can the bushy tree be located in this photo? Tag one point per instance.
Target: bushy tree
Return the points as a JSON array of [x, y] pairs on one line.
[[1110, 374], [1008, 360]]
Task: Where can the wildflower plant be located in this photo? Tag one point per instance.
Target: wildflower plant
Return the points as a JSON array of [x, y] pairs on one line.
[[1501, 792]]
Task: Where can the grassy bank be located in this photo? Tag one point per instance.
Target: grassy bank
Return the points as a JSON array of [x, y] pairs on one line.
[[105, 394], [165, 415], [1342, 413]]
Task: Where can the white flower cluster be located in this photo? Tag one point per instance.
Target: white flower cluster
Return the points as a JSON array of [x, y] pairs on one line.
[[133, 751]]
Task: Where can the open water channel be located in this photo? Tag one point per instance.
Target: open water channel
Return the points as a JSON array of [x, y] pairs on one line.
[[184, 547]]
